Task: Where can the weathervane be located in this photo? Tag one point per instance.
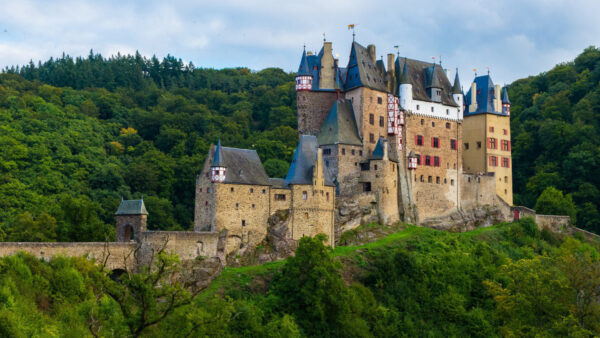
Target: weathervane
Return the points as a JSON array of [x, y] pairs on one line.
[[351, 27]]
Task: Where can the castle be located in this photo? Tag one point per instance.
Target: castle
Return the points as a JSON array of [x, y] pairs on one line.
[[400, 143]]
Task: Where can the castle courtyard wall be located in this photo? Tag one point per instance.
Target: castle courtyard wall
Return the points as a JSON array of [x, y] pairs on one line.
[[313, 108]]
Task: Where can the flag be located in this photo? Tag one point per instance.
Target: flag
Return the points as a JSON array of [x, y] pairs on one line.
[[396, 46], [350, 27], [474, 69]]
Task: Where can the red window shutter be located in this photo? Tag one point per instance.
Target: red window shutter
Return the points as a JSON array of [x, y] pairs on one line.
[[508, 162], [490, 161], [432, 141], [508, 145], [416, 139]]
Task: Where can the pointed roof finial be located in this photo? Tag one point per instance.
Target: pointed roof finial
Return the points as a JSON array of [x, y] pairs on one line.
[[218, 159], [456, 89], [324, 37], [404, 79], [505, 96]]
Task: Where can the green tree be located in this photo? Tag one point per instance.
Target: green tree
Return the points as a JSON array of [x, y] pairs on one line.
[[553, 202]]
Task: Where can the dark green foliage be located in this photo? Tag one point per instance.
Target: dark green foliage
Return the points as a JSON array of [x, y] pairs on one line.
[[126, 127], [553, 202], [556, 136]]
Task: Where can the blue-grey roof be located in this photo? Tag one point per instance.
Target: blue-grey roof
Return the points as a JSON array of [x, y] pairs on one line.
[[362, 71], [132, 207], [415, 72], [218, 159], [278, 183], [404, 79], [505, 96], [484, 96], [432, 78], [378, 152], [340, 125], [305, 158], [456, 89], [304, 68], [243, 166]]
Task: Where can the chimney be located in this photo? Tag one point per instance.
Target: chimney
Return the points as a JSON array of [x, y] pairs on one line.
[[390, 62], [497, 100], [371, 50], [309, 53], [327, 47], [473, 105]]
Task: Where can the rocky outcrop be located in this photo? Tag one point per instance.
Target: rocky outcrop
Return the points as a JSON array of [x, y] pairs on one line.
[[277, 245], [353, 212], [465, 220]]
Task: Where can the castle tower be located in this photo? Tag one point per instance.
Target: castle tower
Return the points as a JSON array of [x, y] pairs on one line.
[[130, 220], [405, 91], [457, 95], [304, 76], [218, 170], [505, 102]]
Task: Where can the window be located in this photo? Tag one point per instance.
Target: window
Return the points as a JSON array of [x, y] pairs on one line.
[[326, 163], [371, 138], [327, 196], [429, 179], [493, 161], [453, 144], [505, 179], [419, 140], [418, 159], [506, 162], [375, 167], [264, 191], [237, 206], [326, 151], [364, 166], [447, 125], [231, 189], [360, 153], [435, 142], [200, 189], [280, 197], [436, 161], [251, 190], [366, 186], [343, 151], [505, 131], [491, 129], [253, 206], [447, 111], [422, 121], [208, 190], [418, 109], [451, 182], [371, 119], [427, 160], [206, 203], [478, 144], [379, 100], [432, 109], [243, 222], [466, 146], [353, 151], [437, 180], [432, 123], [505, 145], [381, 121], [306, 215], [492, 144], [421, 179], [304, 195]]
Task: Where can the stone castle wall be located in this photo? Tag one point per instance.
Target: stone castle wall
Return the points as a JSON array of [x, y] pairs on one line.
[[343, 162], [204, 204], [312, 110], [367, 102], [312, 215]]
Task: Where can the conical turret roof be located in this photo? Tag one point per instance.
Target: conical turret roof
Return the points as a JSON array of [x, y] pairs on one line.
[[303, 69], [456, 88], [404, 79], [505, 96], [218, 159]]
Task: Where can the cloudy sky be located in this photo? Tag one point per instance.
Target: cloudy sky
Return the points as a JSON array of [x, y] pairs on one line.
[[514, 38]]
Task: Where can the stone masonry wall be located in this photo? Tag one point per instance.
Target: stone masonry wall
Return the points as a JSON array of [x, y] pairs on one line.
[[204, 204], [367, 102], [243, 212], [312, 110], [383, 178], [279, 204], [313, 215], [343, 162], [186, 244]]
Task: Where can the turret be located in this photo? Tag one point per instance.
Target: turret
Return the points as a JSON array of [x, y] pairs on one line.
[[304, 76], [433, 84], [405, 90], [327, 71], [457, 95], [130, 220], [218, 170], [505, 102]]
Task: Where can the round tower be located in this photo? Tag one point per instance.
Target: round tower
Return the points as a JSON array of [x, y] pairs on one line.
[[458, 96], [405, 89], [218, 170], [304, 76]]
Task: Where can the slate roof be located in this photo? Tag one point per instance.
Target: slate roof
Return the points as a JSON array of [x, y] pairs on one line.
[[378, 151], [340, 125], [362, 71], [218, 158], [243, 166], [132, 207], [278, 183], [505, 96], [456, 89], [416, 74], [304, 69], [305, 158], [484, 96]]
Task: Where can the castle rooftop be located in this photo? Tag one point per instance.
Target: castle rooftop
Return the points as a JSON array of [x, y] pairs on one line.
[[132, 207]]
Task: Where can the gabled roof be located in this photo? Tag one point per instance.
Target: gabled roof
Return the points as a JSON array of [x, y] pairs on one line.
[[484, 96], [243, 166], [305, 158], [132, 207], [505, 96], [362, 71], [340, 125], [278, 183], [304, 68], [415, 75], [456, 88], [218, 159]]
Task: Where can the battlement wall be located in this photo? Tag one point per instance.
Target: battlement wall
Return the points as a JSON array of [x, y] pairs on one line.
[[185, 244]]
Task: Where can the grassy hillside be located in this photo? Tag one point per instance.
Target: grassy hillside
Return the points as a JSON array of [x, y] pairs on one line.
[[506, 280]]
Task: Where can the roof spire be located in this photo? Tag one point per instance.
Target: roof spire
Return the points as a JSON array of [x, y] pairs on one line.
[[304, 69], [456, 89], [404, 78], [505, 96], [218, 159]]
